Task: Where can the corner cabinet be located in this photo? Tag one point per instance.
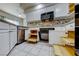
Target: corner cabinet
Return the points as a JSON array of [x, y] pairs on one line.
[[8, 37]]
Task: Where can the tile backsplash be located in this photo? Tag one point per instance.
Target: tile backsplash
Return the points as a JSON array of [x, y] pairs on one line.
[[56, 21]]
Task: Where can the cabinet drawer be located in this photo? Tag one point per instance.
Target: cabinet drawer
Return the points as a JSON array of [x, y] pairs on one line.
[[4, 25]]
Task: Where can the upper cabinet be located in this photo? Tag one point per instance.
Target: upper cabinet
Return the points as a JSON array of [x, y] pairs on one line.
[[61, 9], [47, 15]]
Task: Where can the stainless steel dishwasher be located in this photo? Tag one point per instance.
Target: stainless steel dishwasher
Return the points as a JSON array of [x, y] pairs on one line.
[[21, 34]]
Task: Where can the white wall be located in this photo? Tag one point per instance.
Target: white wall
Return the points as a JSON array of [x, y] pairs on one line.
[[59, 10], [70, 27], [36, 14], [14, 9]]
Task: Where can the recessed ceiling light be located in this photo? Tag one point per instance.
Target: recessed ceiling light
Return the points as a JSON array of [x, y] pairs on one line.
[[39, 6], [20, 16]]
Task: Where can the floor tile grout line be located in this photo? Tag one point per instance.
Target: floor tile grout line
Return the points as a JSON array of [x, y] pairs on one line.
[[39, 47]]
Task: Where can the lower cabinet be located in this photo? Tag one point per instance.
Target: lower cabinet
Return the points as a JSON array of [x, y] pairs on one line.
[[4, 43], [27, 34], [13, 39], [55, 36], [8, 37]]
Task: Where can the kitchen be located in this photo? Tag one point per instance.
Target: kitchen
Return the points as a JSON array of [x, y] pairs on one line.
[[28, 29]]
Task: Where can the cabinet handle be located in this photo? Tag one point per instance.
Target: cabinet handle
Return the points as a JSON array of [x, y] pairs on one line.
[[10, 31]]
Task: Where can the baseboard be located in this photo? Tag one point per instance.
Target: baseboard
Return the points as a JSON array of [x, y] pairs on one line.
[[11, 50]]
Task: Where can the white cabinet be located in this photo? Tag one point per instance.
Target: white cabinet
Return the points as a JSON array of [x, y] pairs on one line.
[[8, 37], [4, 38], [13, 39], [35, 14], [55, 36], [13, 36], [4, 43], [27, 34]]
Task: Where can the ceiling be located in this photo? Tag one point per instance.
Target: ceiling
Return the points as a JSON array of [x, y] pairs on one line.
[[26, 6]]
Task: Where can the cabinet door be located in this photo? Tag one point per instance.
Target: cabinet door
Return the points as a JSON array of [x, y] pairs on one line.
[[26, 34], [4, 43], [13, 35], [55, 36], [13, 39]]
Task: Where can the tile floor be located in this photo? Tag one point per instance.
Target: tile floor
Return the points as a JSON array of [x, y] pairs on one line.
[[29, 49]]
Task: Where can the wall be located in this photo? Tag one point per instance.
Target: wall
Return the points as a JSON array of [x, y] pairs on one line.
[[11, 18], [70, 27], [14, 9], [36, 14], [59, 10]]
